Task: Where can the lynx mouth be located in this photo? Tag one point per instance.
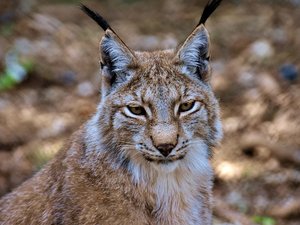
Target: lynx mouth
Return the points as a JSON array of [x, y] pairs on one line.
[[164, 160]]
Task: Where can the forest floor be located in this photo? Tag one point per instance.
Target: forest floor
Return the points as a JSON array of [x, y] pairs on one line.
[[255, 59]]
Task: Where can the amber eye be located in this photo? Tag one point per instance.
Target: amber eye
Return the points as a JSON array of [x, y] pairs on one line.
[[137, 110], [186, 106]]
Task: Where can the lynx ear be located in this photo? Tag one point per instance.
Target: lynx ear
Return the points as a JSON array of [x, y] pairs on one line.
[[116, 57], [117, 60], [193, 55], [114, 53]]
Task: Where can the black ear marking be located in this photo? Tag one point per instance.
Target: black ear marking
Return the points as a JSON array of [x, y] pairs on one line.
[[101, 65], [208, 10], [96, 17]]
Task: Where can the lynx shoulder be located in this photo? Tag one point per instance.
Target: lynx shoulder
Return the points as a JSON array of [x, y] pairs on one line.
[[144, 157]]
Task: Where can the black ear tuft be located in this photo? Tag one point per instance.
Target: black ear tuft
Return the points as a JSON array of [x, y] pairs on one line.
[[208, 10], [96, 17]]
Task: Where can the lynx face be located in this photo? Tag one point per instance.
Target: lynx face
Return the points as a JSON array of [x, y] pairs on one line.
[[157, 108]]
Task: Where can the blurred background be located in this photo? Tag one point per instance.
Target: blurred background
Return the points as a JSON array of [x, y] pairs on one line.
[[49, 85]]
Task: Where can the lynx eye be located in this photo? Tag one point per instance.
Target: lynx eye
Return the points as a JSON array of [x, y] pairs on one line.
[[186, 106], [137, 110]]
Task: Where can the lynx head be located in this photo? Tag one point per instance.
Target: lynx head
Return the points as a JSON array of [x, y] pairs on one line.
[[157, 108]]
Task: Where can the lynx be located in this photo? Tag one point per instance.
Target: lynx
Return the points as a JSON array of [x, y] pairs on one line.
[[144, 157]]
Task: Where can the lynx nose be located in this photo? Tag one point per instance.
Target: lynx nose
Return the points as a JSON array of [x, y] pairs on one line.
[[165, 149]]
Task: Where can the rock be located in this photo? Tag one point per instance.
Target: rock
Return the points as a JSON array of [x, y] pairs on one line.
[[85, 89], [262, 49], [267, 84], [69, 78], [246, 78], [289, 72]]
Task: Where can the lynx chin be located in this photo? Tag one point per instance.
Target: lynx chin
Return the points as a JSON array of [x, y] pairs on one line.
[[144, 157]]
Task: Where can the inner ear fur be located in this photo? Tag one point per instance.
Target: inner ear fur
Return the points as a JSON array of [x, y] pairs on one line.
[[193, 54], [117, 62], [114, 52]]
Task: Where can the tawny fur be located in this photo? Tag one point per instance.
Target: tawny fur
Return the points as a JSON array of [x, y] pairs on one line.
[[111, 172]]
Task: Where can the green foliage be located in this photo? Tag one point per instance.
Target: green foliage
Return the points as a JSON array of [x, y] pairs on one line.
[[14, 74], [264, 220], [6, 29]]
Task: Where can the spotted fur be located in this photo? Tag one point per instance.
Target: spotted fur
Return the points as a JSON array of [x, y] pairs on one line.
[[113, 171]]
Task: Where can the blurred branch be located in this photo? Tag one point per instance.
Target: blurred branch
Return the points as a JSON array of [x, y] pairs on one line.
[[279, 150], [224, 211], [288, 208]]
